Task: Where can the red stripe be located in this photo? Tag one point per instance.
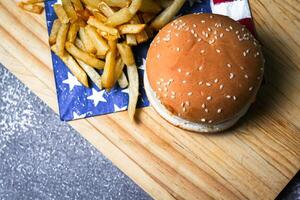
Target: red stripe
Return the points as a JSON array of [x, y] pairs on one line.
[[248, 22], [221, 1]]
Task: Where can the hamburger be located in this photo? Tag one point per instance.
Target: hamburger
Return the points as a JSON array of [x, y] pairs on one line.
[[203, 72]]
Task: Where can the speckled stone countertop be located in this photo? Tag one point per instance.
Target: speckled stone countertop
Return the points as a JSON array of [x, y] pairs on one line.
[[44, 158]]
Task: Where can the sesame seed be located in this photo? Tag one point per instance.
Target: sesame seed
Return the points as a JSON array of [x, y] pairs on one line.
[[215, 32], [227, 29], [199, 39], [203, 120], [195, 35], [208, 84], [165, 95], [188, 73], [159, 89], [187, 103], [250, 88], [248, 50], [190, 94], [200, 82], [182, 104], [261, 69], [176, 34], [202, 51], [221, 35], [242, 68], [211, 41], [173, 93], [203, 105], [158, 55], [178, 114], [246, 76], [166, 89], [228, 65], [202, 21], [216, 80], [210, 121], [221, 86], [209, 98], [211, 16], [218, 50], [184, 109], [231, 75], [219, 110], [192, 31], [162, 80], [244, 53], [209, 29], [206, 110], [177, 49], [200, 68], [157, 82], [258, 78], [184, 81], [237, 32], [230, 27], [179, 70], [234, 98], [194, 25], [228, 96], [172, 97]]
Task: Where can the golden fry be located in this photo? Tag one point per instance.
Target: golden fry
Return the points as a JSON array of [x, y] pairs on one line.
[[72, 34], [53, 34], [67, 5], [102, 27], [105, 9], [108, 36], [166, 16], [92, 73], [84, 56], [108, 76], [135, 6], [113, 46], [89, 46], [150, 6], [131, 28], [92, 3], [119, 68], [117, 3], [122, 81], [84, 14], [142, 36], [131, 39], [31, 7], [78, 43], [32, 1], [147, 17], [77, 5], [120, 17], [99, 16], [126, 53], [61, 39], [76, 70], [133, 87], [61, 13], [99, 43], [164, 3]]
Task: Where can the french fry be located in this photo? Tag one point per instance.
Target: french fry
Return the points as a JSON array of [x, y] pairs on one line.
[[120, 17], [147, 17], [99, 16], [142, 36], [81, 22], [131, 39], [117, 3], [84, 56], [61, 39], [133, 89], [99, 43], [122, 81], [33, 8], [32, 1], [164, 3], [166, 16], [78, 43], [150, 6], [108, 36], [76, 70], [68, 7], [77, 5], [92, 73], [135, 6], [131, 28], [84, 14], [119, 68], [105, 9], [102, 27], [108, 76], [126, 54], [72, 34], [113, 46], [53, 34], [88, 44], [61, 13], [92, 3]]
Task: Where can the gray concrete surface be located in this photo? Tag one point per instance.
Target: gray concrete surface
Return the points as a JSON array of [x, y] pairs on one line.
[[44, 158]]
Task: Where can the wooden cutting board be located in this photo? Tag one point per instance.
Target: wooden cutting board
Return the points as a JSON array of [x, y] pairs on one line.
[[254, 160]]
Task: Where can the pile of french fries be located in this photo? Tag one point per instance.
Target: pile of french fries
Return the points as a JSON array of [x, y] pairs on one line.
[[92, 35]]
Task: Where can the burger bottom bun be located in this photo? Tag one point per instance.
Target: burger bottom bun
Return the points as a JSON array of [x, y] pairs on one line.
[[185, 124]]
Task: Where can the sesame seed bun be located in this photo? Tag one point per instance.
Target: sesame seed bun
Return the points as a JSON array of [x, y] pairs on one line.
[[203, 72]]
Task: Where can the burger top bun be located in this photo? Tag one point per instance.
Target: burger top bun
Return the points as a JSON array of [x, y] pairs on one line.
[[205, 68]]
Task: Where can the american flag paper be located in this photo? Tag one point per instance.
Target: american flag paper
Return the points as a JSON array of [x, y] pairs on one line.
[[76, 101]]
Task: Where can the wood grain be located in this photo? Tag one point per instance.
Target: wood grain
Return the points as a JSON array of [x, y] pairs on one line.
[[254, 160]]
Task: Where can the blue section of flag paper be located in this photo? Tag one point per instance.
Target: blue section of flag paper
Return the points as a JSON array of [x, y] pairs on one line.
[[76, 101]]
